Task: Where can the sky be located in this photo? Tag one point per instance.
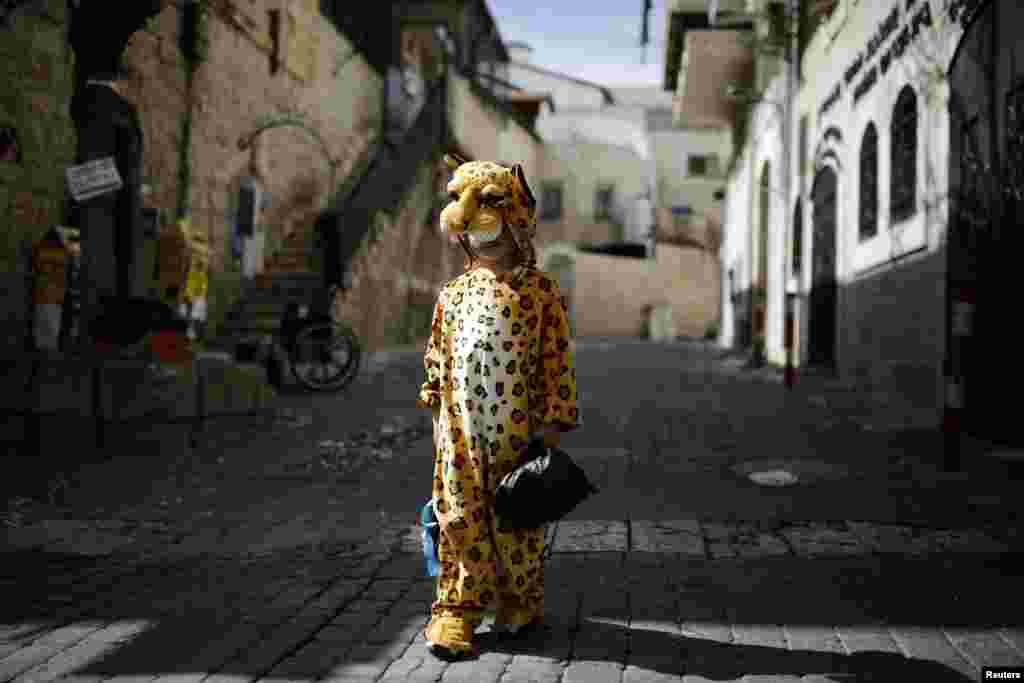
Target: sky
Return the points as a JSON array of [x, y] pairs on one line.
[[596, 40]]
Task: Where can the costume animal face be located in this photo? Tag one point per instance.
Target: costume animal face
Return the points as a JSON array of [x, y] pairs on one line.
[[487, 198]]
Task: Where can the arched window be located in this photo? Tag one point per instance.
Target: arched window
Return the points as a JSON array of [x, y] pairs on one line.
[[869, 184], [903, 176]]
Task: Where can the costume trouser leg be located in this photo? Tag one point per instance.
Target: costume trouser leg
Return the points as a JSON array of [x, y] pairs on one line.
[[470, 582]]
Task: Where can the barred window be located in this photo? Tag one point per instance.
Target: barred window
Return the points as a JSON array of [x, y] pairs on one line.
[[903, 177], [869, 184]]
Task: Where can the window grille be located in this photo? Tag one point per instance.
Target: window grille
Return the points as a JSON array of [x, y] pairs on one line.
[[869, 184], [903, 177]]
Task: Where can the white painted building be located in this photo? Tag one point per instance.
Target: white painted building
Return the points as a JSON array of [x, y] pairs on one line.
[[907, 145]]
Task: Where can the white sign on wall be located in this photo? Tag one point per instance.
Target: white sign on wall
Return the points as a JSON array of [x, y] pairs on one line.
[[93, 178]]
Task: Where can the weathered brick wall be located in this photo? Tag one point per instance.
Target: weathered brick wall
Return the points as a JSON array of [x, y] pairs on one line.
[[156, 86], [319, 80], [611, 292], [332, 90], [400, 268], [36, 75]]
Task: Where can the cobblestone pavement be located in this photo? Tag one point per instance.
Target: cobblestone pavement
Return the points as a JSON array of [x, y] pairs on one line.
[[284, 549]]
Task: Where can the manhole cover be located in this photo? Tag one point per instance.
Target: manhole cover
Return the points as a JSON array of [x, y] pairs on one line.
[[773, 478]]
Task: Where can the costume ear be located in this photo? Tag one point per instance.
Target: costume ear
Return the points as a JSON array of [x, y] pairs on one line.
[[517, 171], [453, 161]]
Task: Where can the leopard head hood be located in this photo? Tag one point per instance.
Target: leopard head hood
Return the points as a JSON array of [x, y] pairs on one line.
[[485, 199]]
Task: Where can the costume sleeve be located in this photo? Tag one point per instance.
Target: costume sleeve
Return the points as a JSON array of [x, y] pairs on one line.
[[430, 390], [556, 383]]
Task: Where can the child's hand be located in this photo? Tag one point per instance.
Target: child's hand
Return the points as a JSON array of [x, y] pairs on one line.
[[550, 434]]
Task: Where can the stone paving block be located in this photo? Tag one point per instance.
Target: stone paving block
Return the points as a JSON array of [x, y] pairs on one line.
[[172, 678], [310, 662], [26, 658], [122, 631], [590, 536], [593, 672], [634, 674], [720, 632], [655, 651], [984, 648], [666, 625], [229, 678], [717, 539], [340, 635], [70, 634], [358, 621], [812, 638], [346, 671], [606, 644], [821, 540], [1015, 637], [335, 597], [295, 596], [670, 536], [391, 629], [386, 590], [762, 635], [930, 644], [377, 652], [473, 671], [67, 661], [409, 565], [866, 639], [551, 643], [530, 669]]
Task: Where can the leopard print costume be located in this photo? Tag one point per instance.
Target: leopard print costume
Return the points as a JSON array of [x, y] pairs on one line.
[[498, 366], [486, 196]]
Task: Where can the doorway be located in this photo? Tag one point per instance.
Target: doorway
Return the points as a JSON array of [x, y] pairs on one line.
[[821, 349]]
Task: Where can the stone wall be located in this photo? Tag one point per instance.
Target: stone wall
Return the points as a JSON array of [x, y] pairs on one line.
[[612, 292], [310, 76], [891, 335], [36, 67], [715, 58], [400, 268]]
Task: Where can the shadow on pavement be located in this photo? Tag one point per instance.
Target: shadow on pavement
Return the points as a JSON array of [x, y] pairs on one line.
[[349, 610], [675, 655]]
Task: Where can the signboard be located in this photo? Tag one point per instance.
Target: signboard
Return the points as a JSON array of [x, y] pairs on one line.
[[93, 178]]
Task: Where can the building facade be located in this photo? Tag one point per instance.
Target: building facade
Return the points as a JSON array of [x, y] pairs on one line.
[[893, 230]]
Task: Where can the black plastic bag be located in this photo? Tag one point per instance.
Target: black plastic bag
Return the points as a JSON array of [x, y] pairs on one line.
[[547, 487]]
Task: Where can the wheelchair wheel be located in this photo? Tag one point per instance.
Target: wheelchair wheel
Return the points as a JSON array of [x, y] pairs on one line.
[[325, 356]]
